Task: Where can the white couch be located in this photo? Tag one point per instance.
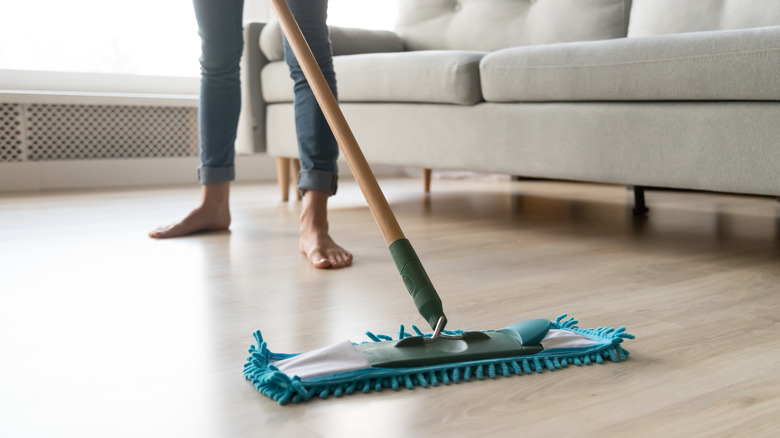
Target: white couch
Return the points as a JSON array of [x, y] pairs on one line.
[[661, 93]]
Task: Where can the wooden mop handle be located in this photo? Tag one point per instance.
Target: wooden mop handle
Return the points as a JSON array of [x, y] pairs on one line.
[[377, 202]]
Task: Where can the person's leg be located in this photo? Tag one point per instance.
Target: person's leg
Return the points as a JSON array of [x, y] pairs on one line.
[[317, 147], [220, 29]]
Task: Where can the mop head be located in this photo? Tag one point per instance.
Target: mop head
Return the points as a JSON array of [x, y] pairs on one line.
[[341, 369]]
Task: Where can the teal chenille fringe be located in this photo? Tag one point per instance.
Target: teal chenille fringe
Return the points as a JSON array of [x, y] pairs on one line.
[[284, 388]]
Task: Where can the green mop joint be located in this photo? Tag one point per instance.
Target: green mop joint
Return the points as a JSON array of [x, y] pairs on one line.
[[543, 346], [417, 282]]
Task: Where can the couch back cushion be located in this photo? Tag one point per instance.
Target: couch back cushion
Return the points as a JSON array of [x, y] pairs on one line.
[[487, 25], [660, 17], [344, 41]]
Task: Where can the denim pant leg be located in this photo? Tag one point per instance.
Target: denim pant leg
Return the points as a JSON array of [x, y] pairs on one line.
[[222, 42], [317, 147]]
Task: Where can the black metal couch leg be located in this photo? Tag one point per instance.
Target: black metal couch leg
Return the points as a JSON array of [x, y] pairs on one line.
[[640, 207]]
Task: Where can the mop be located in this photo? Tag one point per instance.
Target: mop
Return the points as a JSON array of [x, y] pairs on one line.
[[419, 359]]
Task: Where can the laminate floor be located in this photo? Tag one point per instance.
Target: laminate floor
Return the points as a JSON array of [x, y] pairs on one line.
[[105, 332]]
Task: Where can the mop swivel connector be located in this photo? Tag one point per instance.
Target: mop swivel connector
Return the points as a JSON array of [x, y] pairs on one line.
[[417, 282]]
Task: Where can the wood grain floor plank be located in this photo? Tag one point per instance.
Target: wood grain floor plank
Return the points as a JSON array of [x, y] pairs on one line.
[[105, 332]]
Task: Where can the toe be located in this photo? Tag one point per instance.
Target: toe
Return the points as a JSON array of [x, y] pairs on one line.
[[337, 262], [320, 262], [162, 232], [341, 260], [157, 233]]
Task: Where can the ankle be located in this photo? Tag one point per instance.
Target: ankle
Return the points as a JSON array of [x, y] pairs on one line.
[[315, 208], [216, 196]]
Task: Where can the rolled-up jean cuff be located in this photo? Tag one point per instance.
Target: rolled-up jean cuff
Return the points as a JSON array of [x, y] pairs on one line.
[[216, 175], [319, 180]]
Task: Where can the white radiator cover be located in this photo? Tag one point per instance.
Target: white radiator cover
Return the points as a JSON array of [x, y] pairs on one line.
[[56, 132], [11, 149]]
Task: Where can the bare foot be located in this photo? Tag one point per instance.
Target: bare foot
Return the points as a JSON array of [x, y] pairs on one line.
[[199, 220], [213, 214], [315, 242]]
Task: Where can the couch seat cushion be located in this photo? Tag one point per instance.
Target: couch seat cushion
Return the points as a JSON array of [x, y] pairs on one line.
[[721, 65], [426, 76]]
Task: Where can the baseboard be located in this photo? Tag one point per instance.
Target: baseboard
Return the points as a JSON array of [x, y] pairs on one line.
[[139, 172], [82, 174]]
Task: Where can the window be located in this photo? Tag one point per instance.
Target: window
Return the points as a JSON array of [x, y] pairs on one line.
[[139, 37], [142, 37], [368, 14]]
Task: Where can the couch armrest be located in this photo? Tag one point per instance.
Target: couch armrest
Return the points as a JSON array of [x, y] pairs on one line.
[[251, 123], [344, 41]]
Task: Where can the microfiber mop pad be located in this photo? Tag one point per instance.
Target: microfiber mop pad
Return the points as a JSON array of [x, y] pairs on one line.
[[346, 368]]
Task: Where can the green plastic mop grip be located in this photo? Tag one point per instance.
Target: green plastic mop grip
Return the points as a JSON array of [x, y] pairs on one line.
[[417, 282]]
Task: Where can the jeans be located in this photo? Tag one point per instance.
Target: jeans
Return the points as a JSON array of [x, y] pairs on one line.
[[220, 29]]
